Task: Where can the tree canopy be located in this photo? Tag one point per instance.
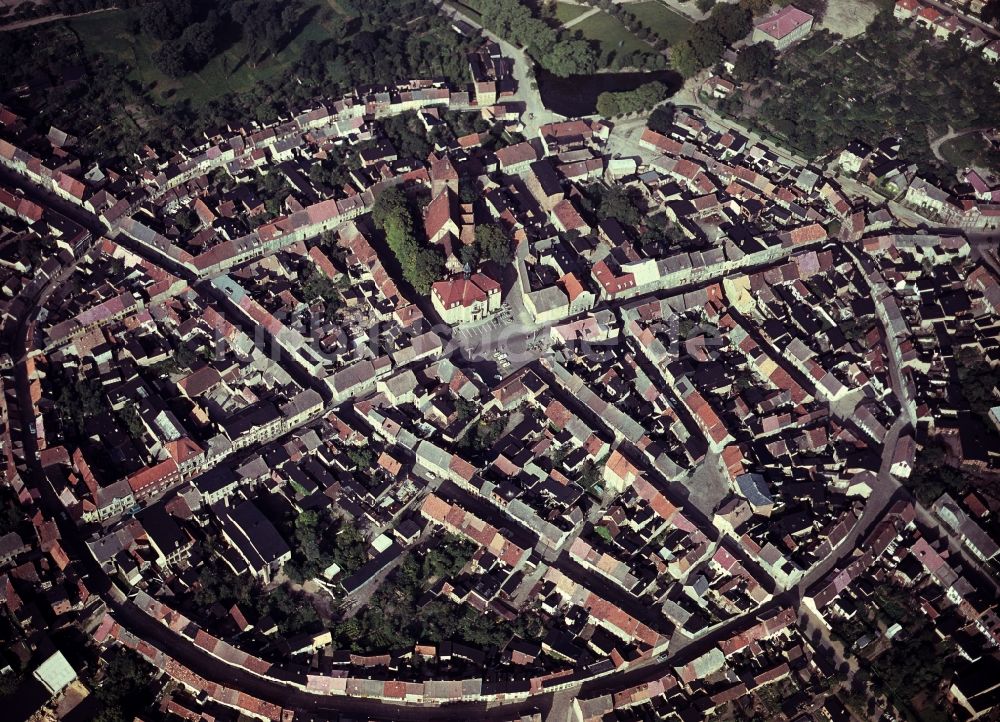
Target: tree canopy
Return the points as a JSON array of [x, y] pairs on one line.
[[514, 21], [643, 98], [755, 61], [492, 243], [708, 38], [420, 266]]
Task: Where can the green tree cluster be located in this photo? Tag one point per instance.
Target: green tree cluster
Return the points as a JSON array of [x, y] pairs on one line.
[[445, 560], [420, 266], [466, 409], [320, 540], [318, 286], [708, 38], [266, 25], [309, 558], [330, 173], [889, 82], [977, 379], [754, 62], [192, 33], [187, 33], [613, 202], [122, 693], [79, 400], [932, 475], [914, 668], [115, 109], [362, 458], [484, 434], [349, 548], [643, 98], [129, 416], [218, 584], [591, 475], [492, 243], [12, 518], [662, 118], [513, 21], [407, 135], [395, 618]]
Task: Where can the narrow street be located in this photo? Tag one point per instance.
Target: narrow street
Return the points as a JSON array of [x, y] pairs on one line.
[[521, 343]]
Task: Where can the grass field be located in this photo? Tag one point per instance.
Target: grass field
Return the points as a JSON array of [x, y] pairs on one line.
[[669, 25], [965, 150], [229, 71], [611, 34], [567, 11]]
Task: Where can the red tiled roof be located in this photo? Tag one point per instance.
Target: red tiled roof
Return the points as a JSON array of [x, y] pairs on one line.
[[516, 154], [808, 234], [439, 211], [568, 216], [612, 283], [151, 475], [182, 449], [660, 142], [465, 291], [929, 13], [784, 22]]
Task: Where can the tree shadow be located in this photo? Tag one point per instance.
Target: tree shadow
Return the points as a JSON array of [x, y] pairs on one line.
[[301, 23]]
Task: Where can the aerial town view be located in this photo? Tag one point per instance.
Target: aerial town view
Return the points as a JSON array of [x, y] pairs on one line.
[[500, 360]]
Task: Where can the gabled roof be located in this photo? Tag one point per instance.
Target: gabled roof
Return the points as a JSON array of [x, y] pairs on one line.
[[516, 154], [784, 22], [443, 208], [465, 291]]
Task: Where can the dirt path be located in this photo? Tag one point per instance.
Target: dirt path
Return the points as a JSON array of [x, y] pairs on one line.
[[51, 19], [950, 135], [580, 18]]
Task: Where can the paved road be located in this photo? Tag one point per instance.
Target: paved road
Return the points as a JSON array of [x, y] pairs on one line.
[[535, 112], [133, 619], [145, 627]]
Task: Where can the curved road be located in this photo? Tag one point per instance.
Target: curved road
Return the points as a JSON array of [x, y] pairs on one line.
[[137, 622], [145, 627]]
